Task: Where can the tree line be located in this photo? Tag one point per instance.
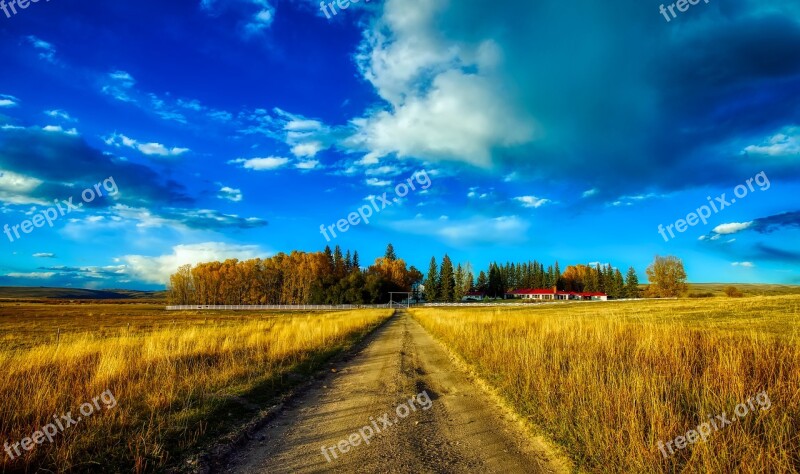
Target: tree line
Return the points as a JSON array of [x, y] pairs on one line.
[[444, 283], [334, 277], [328, 277]]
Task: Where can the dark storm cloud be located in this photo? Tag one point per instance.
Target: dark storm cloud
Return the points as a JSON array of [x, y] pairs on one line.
[[67, 165], [59, 159], [625, 100], [766, 225]]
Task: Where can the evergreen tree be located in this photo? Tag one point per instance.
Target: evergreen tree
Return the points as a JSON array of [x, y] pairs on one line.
[[618, 288], [338, 262], [459, 289], [390, 255], [496, 289], [329, 258], [483, 283], [356, 264], [348, 262], [448, 283], [631, 284], [558, 283], [432, 282], [592, 283]]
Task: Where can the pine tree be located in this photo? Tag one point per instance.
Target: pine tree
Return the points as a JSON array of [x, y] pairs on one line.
[[432, 282], [592, 283], [348, 262], [329, 258], [483, 283], [558, 282], [459, 289], [632, 284], [448, 283], [618, 288], [356, 263], [390, 255], [338, 262]]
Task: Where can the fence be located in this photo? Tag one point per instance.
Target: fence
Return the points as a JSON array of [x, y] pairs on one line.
[[318, 307], [284, 307]]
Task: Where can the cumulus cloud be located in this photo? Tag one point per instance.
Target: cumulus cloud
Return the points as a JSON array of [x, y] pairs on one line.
[[231, 194], [532, 201], [261, 164], [783, 144], [732, 228], [60, 129], [157, 269], [8, 101]]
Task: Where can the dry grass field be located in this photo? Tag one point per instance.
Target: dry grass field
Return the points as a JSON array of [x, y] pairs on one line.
[[178, 378], [608, 381]]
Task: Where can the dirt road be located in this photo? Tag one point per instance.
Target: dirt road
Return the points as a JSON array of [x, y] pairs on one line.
[[462, 430]]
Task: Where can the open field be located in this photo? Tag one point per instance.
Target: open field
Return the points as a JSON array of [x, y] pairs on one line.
[[42, 293], [607, 382], [178, 379]]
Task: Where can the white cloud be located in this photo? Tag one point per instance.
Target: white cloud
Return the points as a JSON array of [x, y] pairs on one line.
[[119, 86], [17, 189], [307, 165], [32, 275], [445, 98], [261, 164], [157, 269], [307, 150], [60, 129], [782, 144], [378, 182], [532, 201], [230, 194], [590, 192], [732, 228], [8, 101], [60, 114], [477, 230], [46, 50], [44, 255], [150, 149], [743, 264]]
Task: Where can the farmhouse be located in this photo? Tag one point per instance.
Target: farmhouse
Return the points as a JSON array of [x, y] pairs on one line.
[[473, 296], [554, 294]]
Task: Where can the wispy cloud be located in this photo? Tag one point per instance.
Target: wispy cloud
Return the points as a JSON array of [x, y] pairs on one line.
[[150, 149]]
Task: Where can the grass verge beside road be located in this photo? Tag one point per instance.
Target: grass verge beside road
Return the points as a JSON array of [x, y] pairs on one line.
[[179, 379], [609, 381]]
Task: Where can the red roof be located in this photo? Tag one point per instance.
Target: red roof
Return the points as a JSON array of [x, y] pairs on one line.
[[551, 292]]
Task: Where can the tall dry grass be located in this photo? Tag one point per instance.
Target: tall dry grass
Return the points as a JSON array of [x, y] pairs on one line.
[[608, 381], [172, 384]]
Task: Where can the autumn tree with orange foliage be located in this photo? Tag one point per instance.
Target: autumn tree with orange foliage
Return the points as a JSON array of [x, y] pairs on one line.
[[298, 278]]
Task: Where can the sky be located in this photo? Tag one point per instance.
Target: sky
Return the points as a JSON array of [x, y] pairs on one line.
[[139, 136]]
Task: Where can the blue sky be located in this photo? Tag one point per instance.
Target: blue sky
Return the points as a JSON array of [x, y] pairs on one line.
[[548, 130]]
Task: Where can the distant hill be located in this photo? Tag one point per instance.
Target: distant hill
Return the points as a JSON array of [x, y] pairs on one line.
[[749, 289], [20, 292]]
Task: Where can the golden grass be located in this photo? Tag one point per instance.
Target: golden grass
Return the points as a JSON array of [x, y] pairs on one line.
[[607, 381], [177, 377]]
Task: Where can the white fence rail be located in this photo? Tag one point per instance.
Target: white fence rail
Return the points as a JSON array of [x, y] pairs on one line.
[[284, 307], [325, 307]]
